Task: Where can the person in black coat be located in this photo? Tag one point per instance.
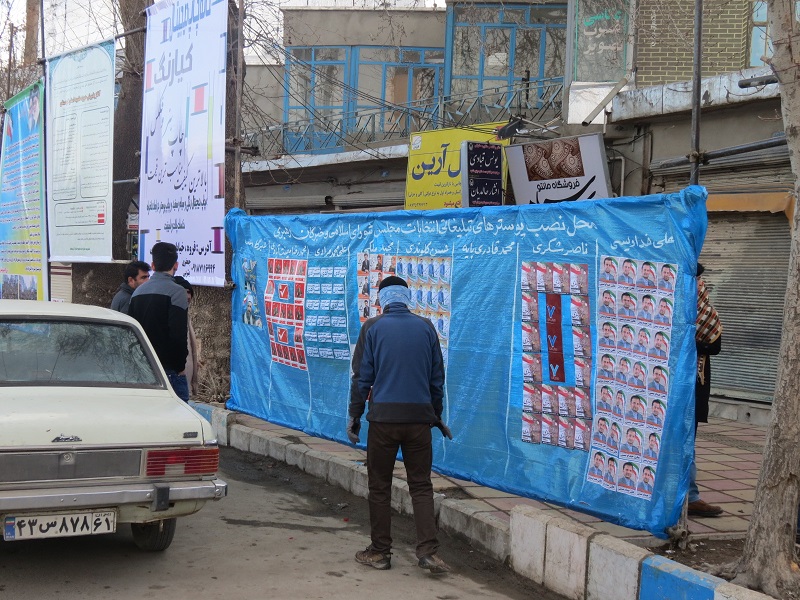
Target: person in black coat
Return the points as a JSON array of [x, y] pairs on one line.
[[708, 339]]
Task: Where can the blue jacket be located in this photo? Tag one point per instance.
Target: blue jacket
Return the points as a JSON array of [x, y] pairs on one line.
[[397, 365]]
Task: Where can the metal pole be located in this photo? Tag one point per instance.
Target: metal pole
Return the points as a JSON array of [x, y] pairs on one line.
[[45, 96], [41, 29], [130, 32], [694, 156], [237, 127]]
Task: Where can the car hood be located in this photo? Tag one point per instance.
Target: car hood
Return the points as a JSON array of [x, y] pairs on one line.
[[54, 417]]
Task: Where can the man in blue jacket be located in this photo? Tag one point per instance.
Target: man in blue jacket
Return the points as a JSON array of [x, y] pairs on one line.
[[398, 367]]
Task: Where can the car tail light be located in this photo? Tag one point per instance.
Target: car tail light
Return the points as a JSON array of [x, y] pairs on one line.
[[182, 461]]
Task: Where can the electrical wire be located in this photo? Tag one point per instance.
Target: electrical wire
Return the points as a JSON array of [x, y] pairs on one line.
[[377, 102]]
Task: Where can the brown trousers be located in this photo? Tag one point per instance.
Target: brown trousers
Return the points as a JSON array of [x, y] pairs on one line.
[[383, 441]]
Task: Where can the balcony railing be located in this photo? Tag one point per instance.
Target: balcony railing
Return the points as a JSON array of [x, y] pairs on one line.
[[537, 101]]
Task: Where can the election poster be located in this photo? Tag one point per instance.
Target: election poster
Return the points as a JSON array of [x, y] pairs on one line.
[[80, 142], [568, 337], [23, 259], [182, 187]]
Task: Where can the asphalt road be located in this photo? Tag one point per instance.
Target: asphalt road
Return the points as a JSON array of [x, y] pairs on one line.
[[280, 534]]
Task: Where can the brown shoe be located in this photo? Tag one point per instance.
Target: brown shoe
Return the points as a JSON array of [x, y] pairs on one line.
[[699, 508], [433, 563], [372, 558]]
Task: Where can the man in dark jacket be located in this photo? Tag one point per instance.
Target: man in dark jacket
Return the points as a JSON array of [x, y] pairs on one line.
[[161, 307], [136, 273], [398, 367]]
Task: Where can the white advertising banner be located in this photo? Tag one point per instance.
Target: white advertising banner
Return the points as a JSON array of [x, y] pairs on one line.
[[182, 188], [80, 142], [563, 169]]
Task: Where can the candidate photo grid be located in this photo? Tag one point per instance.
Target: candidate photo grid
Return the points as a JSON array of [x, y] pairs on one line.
[[554, 413], [634, 330], [428, 280], [284, 304]]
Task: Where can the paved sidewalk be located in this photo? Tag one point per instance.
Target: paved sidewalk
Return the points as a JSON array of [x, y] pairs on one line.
[[728, 462]]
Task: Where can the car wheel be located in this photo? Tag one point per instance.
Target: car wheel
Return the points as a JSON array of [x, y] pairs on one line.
[[154, 537]]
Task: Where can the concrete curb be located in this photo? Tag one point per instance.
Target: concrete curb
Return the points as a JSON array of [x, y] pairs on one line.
[[569, 558]]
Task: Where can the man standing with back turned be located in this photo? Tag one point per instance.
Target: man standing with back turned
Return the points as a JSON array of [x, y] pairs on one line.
[[397, 366], [161, 307]]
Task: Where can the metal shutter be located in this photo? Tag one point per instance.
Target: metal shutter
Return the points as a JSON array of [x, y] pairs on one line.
[[746, 256], [764, 170], [60, 282]]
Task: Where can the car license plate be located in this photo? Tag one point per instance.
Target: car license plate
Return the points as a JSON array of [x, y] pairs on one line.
[[50, 525]]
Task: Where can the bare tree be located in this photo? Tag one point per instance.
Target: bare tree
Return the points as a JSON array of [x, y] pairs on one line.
[[128, 119], [768, 561], [31, 31]]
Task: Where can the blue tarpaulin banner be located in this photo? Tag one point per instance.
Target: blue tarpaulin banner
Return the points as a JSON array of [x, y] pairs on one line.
[[567, 332]]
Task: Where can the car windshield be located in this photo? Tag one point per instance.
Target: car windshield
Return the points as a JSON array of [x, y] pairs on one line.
[[63, 352]]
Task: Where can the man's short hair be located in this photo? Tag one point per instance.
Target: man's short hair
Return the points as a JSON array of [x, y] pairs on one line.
[[133, 268], [165, 255], [184, 283]]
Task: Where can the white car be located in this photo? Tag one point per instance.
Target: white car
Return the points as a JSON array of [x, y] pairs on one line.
[[91, 434]]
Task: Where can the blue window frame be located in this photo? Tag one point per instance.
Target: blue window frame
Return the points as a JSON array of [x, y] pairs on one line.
[[315, 81], [397, 76], [332, 84], [498, 45]]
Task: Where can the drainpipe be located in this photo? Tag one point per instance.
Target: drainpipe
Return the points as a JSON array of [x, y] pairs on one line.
[[608, 98]]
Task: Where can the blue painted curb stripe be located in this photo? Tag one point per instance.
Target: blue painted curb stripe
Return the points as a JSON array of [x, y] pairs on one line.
[[664, 579], [204, 409]]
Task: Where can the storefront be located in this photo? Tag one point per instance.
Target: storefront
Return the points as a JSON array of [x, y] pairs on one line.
[[746, 256]]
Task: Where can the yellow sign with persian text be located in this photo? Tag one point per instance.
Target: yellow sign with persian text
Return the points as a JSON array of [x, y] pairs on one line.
[[434, 165]]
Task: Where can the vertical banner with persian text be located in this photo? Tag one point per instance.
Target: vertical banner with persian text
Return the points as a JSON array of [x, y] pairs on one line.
[[23, 259], [80, 142], [182, 189], [567, 332]]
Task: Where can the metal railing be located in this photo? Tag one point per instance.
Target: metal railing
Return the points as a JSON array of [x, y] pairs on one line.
[[537, 101]]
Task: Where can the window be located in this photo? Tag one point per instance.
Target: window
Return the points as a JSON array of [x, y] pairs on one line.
[[760, 44], [347, 79], [315, 82], [495, 46], [351, 88], [760, 38], [58, 353], [396, 76]]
